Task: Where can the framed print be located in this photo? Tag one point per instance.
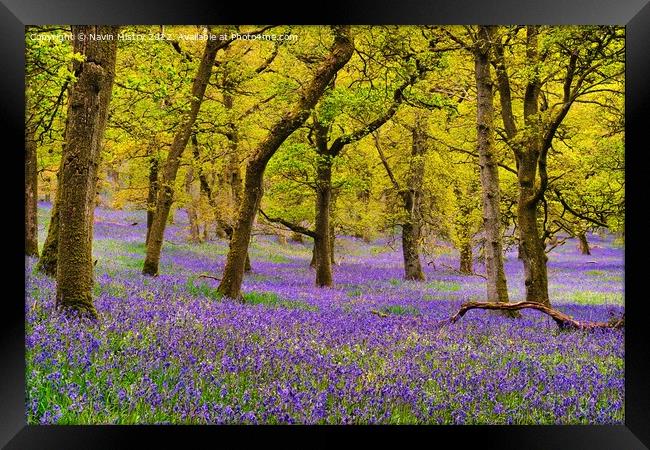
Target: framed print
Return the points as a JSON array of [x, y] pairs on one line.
[[384, 219]]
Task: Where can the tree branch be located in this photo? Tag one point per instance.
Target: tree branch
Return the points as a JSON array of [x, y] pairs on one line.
[[576, 213], [562, 320], [292, 226], [384, 161]]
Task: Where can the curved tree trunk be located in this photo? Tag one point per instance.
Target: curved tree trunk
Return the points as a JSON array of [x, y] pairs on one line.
[[497, 289], [87, 114], [340, 54], [233, 274], [166, 192]]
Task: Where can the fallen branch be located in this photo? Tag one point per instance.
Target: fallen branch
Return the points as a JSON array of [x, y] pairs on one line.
[[562, 320]]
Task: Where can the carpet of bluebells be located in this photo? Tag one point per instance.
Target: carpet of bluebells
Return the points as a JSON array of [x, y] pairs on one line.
[[169, 350]]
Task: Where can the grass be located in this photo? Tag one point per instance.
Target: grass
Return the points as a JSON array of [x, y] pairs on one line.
[[356, 292], [401, 310], [201, 290], [604, 276], [273, 300], [130, 262], [446, 286], [597, 298]]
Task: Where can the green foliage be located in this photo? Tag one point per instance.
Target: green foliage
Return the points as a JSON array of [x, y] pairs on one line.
[[443, 286], [597, 298], [273, 300], [201, 289], [401, 310]]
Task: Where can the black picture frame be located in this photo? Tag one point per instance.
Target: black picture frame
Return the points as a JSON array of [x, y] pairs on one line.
[[634, 14]]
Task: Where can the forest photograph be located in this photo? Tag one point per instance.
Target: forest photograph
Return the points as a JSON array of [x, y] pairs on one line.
[[325, 225]]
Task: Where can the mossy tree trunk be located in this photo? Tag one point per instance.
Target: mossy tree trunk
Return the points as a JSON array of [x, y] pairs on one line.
[[339, 55], [31, 194], [166, 189], [152, 192], [87, 114], [232, 171], [49, 255], [466, 259], [192, 211], [412, 198], [583, 244], [322, 245], [497, 288]]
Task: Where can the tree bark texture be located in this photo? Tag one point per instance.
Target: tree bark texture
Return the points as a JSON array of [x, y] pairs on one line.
[[563, 321], [87, 114], [583, 244], [412, 204], [152, 193], [166, 189], [192, 213], [49, 255], [31, 194], [497, 288], [322, 247], [339, 55], [466, 259], [530, 147]]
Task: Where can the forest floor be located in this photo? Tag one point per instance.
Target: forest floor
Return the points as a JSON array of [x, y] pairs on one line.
[[169, 350]]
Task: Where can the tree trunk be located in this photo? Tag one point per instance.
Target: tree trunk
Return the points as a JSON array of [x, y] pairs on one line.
[[410, 250], [87, 114], [466, 259], [583, 244], [528, 157], [322, 243], [195, 234], [247, 263], [412, 197], [340, 54], [232, 172], [47, 262], [238, 249], [166, 191], [152, 193], [314, 255], [332, 242], [497, 289], [332, 234], [31, 194], [531, 245]]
